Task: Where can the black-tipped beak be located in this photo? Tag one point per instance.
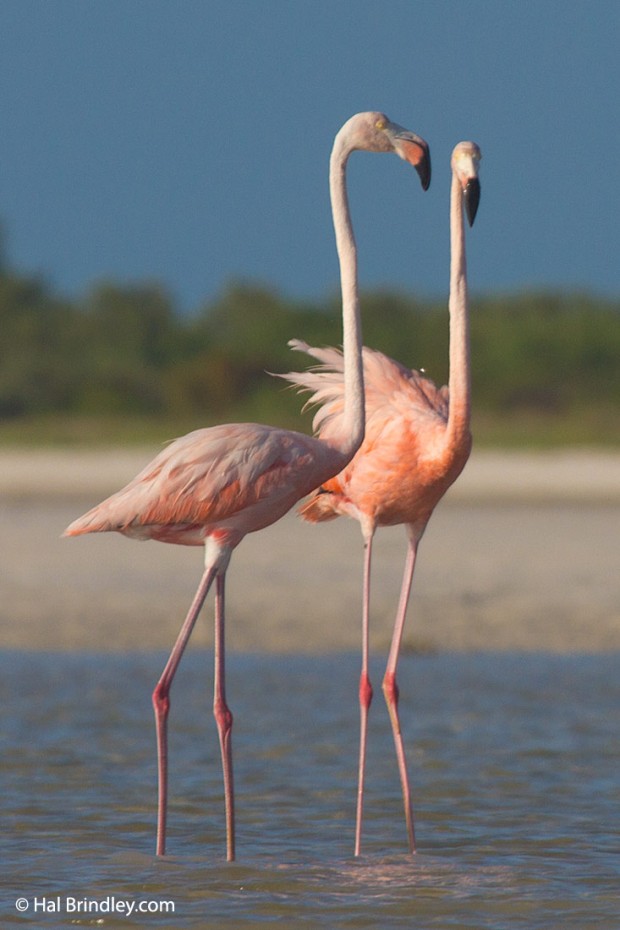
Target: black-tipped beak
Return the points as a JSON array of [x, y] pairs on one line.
[[423, 168], [415, 150], [472, 199]]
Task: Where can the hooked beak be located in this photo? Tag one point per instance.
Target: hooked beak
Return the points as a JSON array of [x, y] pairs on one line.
[[415, 150], [471, 194], [423, 168]]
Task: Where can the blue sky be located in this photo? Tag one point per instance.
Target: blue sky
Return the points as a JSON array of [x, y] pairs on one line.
[[187, 142]]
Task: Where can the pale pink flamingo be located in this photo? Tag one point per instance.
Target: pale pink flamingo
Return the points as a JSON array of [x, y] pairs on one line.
[[416, 444], [213, 486]]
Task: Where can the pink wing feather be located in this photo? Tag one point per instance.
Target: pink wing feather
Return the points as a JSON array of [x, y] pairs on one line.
[[387, 384]]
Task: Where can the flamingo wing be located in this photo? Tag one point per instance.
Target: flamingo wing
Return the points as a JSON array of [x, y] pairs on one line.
[[208, 476]]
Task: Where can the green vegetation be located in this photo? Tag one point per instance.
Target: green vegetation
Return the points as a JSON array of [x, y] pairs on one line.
[[123, 365]]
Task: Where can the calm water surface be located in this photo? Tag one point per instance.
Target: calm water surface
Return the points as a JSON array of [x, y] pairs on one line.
[[515, 762]]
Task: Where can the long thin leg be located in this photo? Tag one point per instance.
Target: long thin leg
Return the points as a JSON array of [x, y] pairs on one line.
[[390, 686], [161, 704], [223, 716], [365, 694]]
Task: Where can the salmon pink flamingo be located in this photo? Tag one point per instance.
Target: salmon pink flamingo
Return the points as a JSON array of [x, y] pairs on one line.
[[213, 486], [417, 443]]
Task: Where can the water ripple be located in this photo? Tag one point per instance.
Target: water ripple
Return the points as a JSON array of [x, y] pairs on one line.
[[514, 760]]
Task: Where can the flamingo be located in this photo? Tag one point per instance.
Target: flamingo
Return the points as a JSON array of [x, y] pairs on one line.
[[212, 486], [416, 444]]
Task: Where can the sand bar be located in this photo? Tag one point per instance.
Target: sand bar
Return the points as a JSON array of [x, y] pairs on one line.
[[591, 475], [522, 554]]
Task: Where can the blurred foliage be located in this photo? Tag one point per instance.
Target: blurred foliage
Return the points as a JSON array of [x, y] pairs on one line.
[[123, 363]]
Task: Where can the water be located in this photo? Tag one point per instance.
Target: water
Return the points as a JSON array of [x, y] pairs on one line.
[[515, 762]]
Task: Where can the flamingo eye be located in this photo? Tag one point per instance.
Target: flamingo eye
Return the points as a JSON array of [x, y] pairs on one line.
[[380, 124]]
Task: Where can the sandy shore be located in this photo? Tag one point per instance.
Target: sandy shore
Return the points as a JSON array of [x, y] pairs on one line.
[[586, 475], [522, 554]]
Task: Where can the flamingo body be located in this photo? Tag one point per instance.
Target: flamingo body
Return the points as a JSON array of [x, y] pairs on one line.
[[403, 467], [224, 481], [214, 485], [417, 442]]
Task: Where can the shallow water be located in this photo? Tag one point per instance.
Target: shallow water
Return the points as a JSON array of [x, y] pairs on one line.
[[515, 762]]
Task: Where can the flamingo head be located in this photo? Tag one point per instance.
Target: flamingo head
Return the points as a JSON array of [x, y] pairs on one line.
[[374, 132], [465, 161]]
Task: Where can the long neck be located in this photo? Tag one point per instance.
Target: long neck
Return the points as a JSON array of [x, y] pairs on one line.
[[354, 415], [459, 378]]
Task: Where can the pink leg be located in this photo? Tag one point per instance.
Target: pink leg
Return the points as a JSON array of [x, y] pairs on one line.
[[365, 695], [161, 704], [223, 717], [390, 687]]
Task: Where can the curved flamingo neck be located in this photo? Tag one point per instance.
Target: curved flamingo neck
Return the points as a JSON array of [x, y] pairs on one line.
[[354, 414], [457, 430]]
